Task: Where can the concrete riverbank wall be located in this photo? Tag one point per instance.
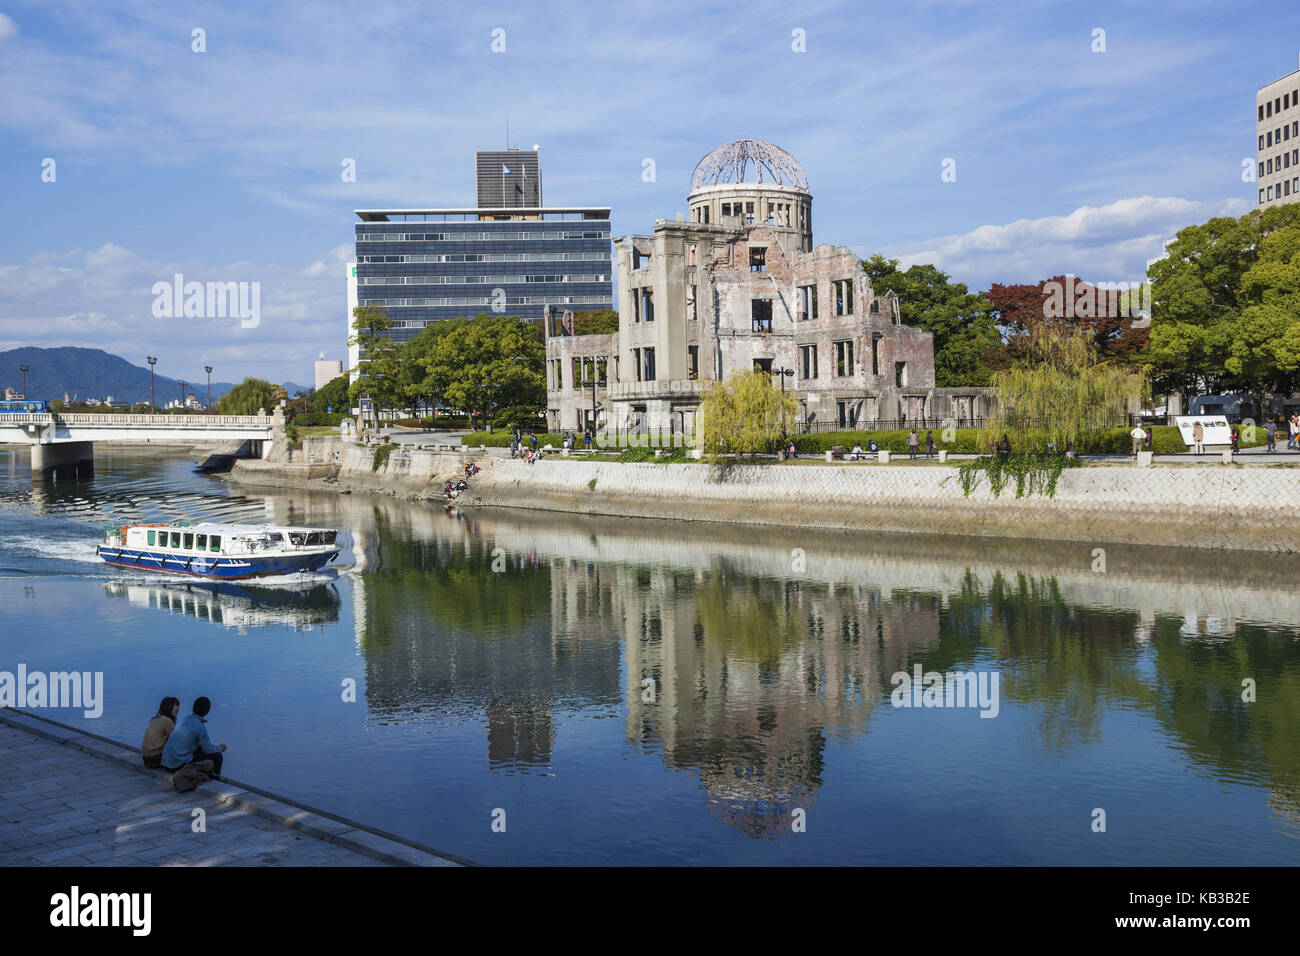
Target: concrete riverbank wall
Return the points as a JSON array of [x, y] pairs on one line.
[[1199, 506]]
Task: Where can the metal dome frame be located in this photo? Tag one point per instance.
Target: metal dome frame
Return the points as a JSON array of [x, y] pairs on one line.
[[728, 165]]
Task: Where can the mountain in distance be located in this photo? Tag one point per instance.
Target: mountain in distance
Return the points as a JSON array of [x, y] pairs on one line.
[[95, 374]]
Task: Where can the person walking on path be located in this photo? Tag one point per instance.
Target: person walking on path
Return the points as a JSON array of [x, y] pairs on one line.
[[1270, 433], [929, 444], [1293, 430], [1139, 436], [1198, 438], [912, 442], [1236, 437], [190, 742]]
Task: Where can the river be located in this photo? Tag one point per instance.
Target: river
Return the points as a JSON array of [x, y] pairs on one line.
[[642, 692]]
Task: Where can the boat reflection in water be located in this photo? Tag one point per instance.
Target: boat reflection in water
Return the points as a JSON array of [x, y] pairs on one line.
[[303, 606]]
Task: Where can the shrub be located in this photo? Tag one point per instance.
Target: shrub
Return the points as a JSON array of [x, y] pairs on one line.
[[502, 437], [381, 457]]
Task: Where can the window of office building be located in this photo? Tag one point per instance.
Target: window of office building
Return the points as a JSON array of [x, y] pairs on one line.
[[843, 290], [761, 314], [1261, 169], [844, 358], [808, 361], [1270, 192], [1261, 195], [808, 302], [1268, 138]]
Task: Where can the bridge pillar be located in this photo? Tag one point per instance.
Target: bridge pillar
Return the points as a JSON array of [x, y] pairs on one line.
[[64, 461]]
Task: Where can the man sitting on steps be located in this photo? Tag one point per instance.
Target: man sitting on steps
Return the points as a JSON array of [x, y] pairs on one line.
[[189, 742]]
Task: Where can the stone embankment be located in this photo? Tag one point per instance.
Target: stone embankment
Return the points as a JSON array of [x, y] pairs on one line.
[[1211, 506]]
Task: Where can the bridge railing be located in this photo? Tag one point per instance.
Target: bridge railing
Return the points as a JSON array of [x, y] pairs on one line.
[[87, 418]]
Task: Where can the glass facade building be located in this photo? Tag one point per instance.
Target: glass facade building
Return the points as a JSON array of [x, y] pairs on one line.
[[421, 266]]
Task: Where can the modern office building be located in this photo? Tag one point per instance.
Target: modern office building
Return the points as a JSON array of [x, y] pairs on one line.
[[737, 284], [327, 370], [1277, 112], [423, 265]]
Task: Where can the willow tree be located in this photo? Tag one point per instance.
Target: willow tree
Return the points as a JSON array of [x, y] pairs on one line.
[[1062, 388], [747, 413]]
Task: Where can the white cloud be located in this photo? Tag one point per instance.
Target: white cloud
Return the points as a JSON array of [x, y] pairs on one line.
[[103, 298], [7, 28], [1108, 243]]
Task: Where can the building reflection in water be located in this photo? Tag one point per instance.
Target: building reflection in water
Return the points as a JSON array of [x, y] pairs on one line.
[[730, 666]]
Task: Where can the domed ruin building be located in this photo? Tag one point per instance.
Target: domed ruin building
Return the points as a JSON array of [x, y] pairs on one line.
[[735, 284]]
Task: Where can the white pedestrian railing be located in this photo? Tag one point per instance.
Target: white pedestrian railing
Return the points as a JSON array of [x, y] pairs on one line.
[[179, 421]]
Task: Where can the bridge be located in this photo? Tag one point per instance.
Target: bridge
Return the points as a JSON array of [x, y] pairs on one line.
[[63, 444]]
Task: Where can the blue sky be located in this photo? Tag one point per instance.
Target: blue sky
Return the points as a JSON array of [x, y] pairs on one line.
[[226, 164]]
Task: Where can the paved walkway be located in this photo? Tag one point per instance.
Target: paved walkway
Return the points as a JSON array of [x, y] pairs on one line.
[[71, 800]]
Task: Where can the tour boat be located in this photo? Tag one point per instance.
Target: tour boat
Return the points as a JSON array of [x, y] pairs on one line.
[[224, 551]]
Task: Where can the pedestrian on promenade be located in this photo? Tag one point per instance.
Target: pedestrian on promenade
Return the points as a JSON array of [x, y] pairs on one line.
[[1293, 430], [912, 442], [1139, 436], [587, 437], [1270, 432], [1198, 438], [159, 729], [190, 742], [1004, 446], [1236, 436], [1150, 436], [532, 441], [929, 444]]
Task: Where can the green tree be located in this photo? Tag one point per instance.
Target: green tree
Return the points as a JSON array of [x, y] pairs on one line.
[[961, 321], [333, 395], [1061, 386], [377, 368], [1224, 306], [480, 365], [598, 322], [745, 413], [249, 397]]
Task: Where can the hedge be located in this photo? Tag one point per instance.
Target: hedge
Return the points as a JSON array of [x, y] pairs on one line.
[[501, 438], [1165, 440]]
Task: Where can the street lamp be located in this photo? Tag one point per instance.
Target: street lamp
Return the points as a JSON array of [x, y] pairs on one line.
[[24, 369], [153, 402], [182, 384], [781, 373], [208, 369], [595, 383]]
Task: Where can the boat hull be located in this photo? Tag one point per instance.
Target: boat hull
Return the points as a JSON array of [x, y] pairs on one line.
[[222, 568]]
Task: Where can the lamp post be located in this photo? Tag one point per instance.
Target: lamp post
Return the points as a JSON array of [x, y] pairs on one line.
[[781, 373], [24, 369], [153, 402], [208, 369], [182, 384], [595, 383]]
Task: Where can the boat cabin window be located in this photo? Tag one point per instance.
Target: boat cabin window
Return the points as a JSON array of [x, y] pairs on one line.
[[189, 540], [201, 542], [327, 537], [176, 539], [153, 538], [214, 542]]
